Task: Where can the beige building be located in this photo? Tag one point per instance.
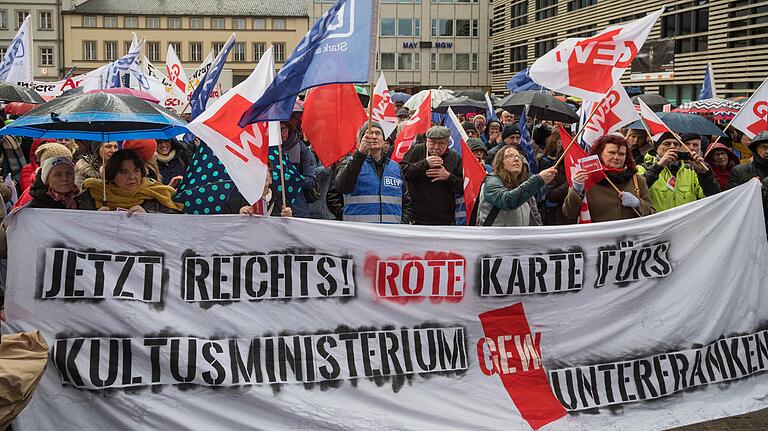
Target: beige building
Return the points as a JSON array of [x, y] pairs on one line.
[[731, 34], [99, 31], [46, 32], [429, 43]]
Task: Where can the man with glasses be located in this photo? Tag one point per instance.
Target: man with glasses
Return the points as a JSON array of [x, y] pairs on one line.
[[434, 176]]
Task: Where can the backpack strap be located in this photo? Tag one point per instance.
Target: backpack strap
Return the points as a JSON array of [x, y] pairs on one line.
[[492, 214]]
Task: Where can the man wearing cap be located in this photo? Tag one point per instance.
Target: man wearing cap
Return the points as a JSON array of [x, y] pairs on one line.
[[756, 168], [434, 175], [671, 180], [477, 147], [470, 129], [373, 186], [510, 135]]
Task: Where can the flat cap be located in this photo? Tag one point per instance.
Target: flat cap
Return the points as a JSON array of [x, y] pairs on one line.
[[403, 113], [438, 132]]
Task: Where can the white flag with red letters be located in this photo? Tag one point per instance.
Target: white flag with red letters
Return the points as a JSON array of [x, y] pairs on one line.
[[242, 150], [175, 70], [588, 67], [753, 116], [383, 108], [613, 112]]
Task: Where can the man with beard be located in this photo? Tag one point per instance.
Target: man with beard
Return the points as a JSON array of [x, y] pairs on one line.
[[434, 176]]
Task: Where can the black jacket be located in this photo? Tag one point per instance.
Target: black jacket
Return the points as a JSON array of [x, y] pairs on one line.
[[345, 180], [740, 174], [432, 203]]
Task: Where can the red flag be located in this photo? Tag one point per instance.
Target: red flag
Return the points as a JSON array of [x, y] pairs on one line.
[[573, 154], [416, 125], [655, 125], [332, 117], [474, 175]]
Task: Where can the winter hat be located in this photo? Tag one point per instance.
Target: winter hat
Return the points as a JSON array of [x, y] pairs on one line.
[[51, 149], [476, 144], [37, 143], [685, 137], [145, 148], [664, 136], [403, 113], [761, 138], [50, 163], [364, 129], [469, 126], [509, 130], [479, 116]]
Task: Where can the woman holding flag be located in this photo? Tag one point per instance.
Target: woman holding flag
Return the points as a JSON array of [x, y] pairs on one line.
[[621, 193]]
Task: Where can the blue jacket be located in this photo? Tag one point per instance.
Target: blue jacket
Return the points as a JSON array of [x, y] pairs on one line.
[[376, 199]]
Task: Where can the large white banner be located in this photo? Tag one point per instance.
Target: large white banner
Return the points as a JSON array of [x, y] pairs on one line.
[[234, 322]]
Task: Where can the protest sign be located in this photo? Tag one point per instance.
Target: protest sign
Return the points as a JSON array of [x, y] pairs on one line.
[[231, 322]]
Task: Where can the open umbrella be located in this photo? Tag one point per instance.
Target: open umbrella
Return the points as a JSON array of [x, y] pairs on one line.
[[437, 97], [16, 93], [18, 108], [541, 106], [399, 97], [72, 91], [720, 109], [685, 123], [143, 95], [460, 105], [654, 101], [98, 117], [473, 94]]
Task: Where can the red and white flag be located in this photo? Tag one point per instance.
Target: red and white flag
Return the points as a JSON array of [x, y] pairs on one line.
[[753, 116], [175, 71], [242, 150], [474, 172], [419, 123], [383, 108], [588, 67], [654, 123], [573, 154], [614, 111], [332, 118]]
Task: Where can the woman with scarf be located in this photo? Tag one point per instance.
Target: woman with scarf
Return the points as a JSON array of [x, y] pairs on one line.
[[299, 154], [127, 188], [721, 160], [90, 165], [172, 159], [54, 185], [633, 198]]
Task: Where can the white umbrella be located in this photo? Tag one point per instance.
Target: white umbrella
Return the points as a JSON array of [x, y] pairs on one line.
[[437, 96]]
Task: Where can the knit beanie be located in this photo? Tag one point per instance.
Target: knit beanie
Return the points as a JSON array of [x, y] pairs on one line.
[[509, 130], [52, 149], [50, 163], [145, 148], [364, 129]]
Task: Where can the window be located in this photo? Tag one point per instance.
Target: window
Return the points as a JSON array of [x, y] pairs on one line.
[[21, 15], [46, 56], [217, 46], [3, 50], [466, 27], [196, 23], [3, 19], [238, 52], [387, 27], [89, 21], [519, 12], [278, 23], [445, 61], [578, 4], [583, 31], [153, 22], [407, 61], [681, 25], [545, 9], [442, 27], [259, 24], [462, 62], [131, 22], [110, 22], [89, 50], [217, 23], [110, 51], [127, 46], [409, 27], [174, 22], [387, 61], [518, 57], [153, 51], [46, 20], [195, 51], [176, 48], [474, 62], [542, 47], [279, 52], [238, 23], [745, 37], [258, 50]]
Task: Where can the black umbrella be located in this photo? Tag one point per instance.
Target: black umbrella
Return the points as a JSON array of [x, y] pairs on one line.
[[685, 123], [460, 105], [473, 94], [71, 91], [654, 101], [16, 93], [541, 106]]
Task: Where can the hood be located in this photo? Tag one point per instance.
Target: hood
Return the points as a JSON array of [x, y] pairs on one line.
[[731, 155]]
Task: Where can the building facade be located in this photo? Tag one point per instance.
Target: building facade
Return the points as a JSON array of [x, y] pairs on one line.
[[46, 32], [99, 31], [732, 35], [425, 44]]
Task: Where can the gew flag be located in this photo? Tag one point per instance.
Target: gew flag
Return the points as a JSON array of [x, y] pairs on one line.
[[336, 50]]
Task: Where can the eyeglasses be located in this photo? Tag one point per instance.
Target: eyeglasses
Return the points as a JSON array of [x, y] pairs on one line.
[[513, 157]]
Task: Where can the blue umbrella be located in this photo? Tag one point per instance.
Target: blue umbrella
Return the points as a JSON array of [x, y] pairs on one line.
[[100, 117], [399, 97], [685, 123]]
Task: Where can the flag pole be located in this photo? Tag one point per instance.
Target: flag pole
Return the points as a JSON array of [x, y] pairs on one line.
[[580, 132], [370, 112], [620, 191], [282, 173]]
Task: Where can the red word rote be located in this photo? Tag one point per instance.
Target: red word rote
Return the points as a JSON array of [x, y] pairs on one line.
[[397, 278]]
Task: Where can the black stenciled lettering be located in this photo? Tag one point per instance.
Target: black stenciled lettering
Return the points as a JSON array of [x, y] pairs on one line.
[[660, 257], [516, 278], [679, 363], [537, 267], [608, 380], [575, 265], [60, 358], [69, 276], [587, 387], [349, 344], [490, 277], [208, 356], [604, 263], [557, 260], [218, 278], [74, 373], [98, 264], [332, 283], [251, 369], [56, 273], [269, 351], [123, 277], [368, 353], [236, 277], [451, 351], [714, 363], [747, 352], [128, 377], [388, 346], [567, 375], [191, 360], [309, 359], [323, 344], [290, 357], [643, 369], [249, 276], [154, 345], [430, 362], [660, 374], [196, 279], [149, 263], [762, 349], [113, 360], [303, 265], [640, 265]]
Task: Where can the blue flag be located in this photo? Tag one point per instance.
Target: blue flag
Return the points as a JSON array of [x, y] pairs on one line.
[[490, 113], [525, 142], [336, 49], [522, 82], [460, 207], [203, 90], [708, 87]]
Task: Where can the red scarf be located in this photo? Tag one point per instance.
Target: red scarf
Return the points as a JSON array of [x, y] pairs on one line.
[[68, 199]]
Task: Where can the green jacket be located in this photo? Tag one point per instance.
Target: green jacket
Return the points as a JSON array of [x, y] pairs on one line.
[[690, 185]]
